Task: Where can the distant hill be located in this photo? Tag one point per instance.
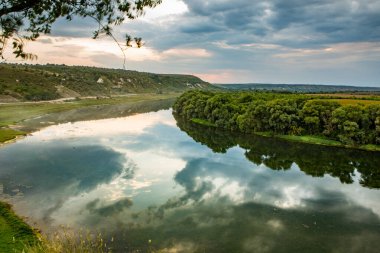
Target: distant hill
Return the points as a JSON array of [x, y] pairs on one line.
[[47, 82], [301, 88]]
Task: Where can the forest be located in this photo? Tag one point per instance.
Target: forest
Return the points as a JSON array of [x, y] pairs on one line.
[[283, 114]]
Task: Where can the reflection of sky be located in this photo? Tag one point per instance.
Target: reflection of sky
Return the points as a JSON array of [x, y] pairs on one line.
[[116, 171]]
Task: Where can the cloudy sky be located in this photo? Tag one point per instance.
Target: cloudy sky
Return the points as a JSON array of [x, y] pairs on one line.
[[224, 41]]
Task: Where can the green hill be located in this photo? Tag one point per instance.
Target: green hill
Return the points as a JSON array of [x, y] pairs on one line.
[[47, 82]]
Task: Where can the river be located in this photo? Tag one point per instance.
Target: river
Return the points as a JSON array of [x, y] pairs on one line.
[[151, 181]]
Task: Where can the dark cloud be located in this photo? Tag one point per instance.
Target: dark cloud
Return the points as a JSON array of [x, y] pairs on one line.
[[76, 28], [59, 167], [200, 28], [94, 207], [305, 23], [325, 21], [58, 172]]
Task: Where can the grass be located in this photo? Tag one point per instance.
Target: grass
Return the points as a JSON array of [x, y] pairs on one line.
[[68, 241], [14, 233], [7, 134], [203, 122]]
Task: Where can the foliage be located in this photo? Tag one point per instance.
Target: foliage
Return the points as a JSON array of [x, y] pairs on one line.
[[37, 16], [283, 114]]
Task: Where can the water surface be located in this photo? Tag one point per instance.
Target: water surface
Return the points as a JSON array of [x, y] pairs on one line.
[[189, 188]]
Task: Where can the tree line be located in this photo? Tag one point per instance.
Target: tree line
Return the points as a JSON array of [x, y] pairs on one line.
[[285, 114]]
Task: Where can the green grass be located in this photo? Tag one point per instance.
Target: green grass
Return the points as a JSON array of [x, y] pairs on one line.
[[7, 134], [14, 233], [203, 122]]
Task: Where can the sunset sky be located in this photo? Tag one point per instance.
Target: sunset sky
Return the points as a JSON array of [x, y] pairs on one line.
[[224, 41]]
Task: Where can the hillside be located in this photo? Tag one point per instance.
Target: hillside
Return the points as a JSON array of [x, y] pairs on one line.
[[47, 82], [301, 88]]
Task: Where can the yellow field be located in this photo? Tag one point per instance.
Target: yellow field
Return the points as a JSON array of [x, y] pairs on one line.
[[345, 95], [355, 101]]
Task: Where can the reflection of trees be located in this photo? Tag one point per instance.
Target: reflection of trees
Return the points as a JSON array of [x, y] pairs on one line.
[[277, 154]]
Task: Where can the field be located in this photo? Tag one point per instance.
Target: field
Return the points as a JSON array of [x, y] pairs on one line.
[[347, 101], [348, 95]]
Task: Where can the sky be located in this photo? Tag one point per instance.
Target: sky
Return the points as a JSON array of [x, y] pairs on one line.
[[241, 41]]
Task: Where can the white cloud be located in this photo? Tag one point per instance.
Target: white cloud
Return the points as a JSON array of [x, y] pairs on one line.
[[187, 52], [166, 9]]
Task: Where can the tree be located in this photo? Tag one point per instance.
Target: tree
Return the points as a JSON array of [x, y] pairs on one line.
[[26, 20]]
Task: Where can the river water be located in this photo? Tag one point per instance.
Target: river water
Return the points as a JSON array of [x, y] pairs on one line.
[[151, 181]]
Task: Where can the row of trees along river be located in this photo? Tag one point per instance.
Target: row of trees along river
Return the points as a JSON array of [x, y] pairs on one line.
[[283, 114]]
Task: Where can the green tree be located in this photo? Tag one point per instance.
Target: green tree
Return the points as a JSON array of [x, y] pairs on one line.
[[317, 115], [349, 124], [26, 20]]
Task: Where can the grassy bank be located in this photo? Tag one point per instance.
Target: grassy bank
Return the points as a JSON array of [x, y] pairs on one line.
[[14, 233], [15, 113], [7, 134]]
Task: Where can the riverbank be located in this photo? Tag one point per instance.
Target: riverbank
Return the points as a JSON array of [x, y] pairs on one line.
[[14, 232], [14, 115]]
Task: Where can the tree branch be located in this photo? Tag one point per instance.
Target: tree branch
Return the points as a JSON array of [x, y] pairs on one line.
[[19, 6]]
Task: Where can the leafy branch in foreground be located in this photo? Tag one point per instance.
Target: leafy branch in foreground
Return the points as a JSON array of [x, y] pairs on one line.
[[26, 20]]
